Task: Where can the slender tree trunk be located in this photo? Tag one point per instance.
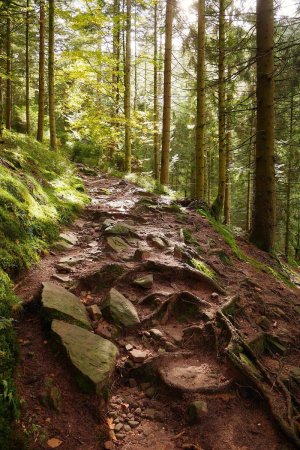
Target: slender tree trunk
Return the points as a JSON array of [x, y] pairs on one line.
[[135, 60], [41, 94], [51, 73], [116, 53], [264, 221], [200, 126], [227, 201], [1, 90], [289, 181], [27, 76], [166, 132], [208, 175], [8, 109], [127, 94], [155, 99], [218, 206]]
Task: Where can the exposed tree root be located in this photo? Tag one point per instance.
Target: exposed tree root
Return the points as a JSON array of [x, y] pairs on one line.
[[280, 400]]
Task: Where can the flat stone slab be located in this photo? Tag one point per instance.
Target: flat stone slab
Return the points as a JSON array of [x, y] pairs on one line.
[[58, 303], [117, 244], [92, 356], [119, 309], [71, 238]]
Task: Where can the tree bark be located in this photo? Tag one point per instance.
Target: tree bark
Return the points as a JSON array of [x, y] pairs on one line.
[[166, 132], [227, 201], [116, 54], [1, 90], [41, 93], [155, 99], [8, 109], [127, 94], [27, 70], [289, 180], [218, 206], [200, 125], [264, 220], [51, 74]]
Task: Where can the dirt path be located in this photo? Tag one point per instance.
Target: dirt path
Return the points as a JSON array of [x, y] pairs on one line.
[[175, 340]]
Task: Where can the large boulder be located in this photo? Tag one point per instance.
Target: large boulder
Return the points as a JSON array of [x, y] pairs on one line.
[[119, 309], [92, 357], [58, 303]]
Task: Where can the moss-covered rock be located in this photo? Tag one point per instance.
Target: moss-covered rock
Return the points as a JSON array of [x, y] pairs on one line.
[[119, 309], [92, 357]]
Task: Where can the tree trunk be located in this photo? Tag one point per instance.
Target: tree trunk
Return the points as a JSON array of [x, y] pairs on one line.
[[41, 94], [127, 94], [8, 110], [116, 54], [218, 206], [264, 221], [200, 126], [289, 181], [27, 65], [52, 124], [227, 201], [155, 100], [166, 132], [1, 91]]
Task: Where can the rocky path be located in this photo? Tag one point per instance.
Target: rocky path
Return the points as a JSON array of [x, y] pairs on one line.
[[143, 303]]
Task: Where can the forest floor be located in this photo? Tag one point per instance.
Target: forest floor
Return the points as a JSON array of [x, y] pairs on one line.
[[178, 341]]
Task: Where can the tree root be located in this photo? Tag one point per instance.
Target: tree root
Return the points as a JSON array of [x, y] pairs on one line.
[[279, 398]]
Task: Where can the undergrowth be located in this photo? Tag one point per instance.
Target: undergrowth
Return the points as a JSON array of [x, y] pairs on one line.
[[230, 240], [39, 191]]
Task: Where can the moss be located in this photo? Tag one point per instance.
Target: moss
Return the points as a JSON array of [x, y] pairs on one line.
[[39, 191], [203, 268]]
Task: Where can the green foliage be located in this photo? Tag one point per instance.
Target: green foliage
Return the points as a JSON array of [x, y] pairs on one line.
[[39, 191], [203, 268]]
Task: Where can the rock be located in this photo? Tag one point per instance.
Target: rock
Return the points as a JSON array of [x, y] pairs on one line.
[[153, 414], [128, 347], [92, 357], [120, 229], [170, 347], [155, 333], [71, 238], [58, 303], [138, 411], [109, 445], [63, 268], [108, 223], [118, 427], [94, 312], [62, 245], [214, 295], [196, 411], [133, 423], [61, 278], [120, 436], [119, 309], [141, 254], [150, 392], [71, 260], [51, 395], [127, 428], [145, 282], [295, 373], [137, 356], [117, 244], [158, 242], [54, 443]]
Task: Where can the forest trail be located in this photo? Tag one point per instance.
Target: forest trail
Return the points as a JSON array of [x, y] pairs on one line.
[[175, 356]]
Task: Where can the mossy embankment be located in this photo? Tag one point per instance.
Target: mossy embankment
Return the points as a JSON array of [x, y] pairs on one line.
[[39, 192]]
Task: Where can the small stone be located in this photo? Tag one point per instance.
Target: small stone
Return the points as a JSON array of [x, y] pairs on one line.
[[116, 420], [264, 323], [214, 295], [127, 428], [63, 268], [137, 356], [158, 243], [70, 238], [170, 347], [54, 443], [113, 415], [94, 312], [61, 278], [141, 255], [128, 347], [155, 333], [118, 427], [150, 392], [145, 282], [138, 411], [133, 423], [120, 436]]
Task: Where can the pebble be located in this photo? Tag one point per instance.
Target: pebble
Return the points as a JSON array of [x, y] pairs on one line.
[[133, 423], [120, 436], [113, 415], [138, 356], [129, 347], [127, 428], [138, 411], [118, 427], [154, 332]]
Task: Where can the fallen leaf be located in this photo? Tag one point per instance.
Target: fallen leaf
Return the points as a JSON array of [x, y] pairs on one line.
[[54, 443]]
